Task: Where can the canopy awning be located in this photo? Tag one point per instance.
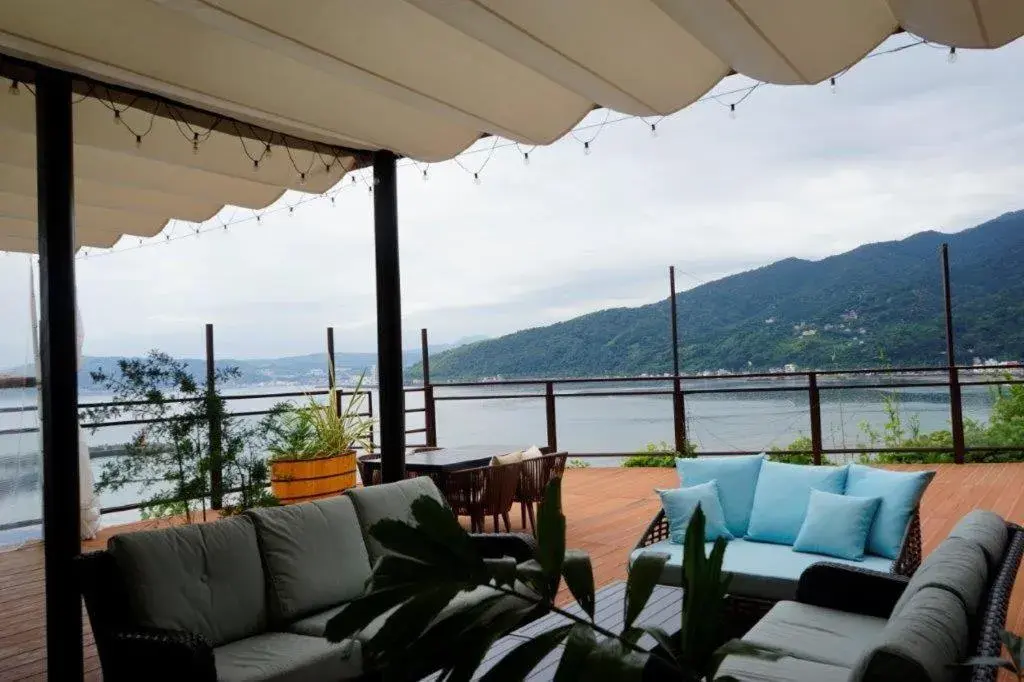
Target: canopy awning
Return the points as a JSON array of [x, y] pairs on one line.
[[319, 80]]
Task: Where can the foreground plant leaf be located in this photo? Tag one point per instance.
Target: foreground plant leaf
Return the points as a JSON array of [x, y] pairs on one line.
[[518, 663], [551, 536], [578, 647], [579, 577], [644, 575]]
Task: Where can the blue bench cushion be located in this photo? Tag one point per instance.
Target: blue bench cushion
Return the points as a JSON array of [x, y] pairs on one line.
[[736, 477], [782, 495], [680, 504], [837, 525], [900, 491], [760, 569]]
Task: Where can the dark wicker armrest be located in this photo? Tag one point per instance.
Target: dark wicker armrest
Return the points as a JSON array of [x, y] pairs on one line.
[[850, 589], [154, 655], [519, 546]]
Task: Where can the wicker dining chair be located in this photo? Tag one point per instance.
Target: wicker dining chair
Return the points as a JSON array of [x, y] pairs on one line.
[[482, 492], [537, 472]]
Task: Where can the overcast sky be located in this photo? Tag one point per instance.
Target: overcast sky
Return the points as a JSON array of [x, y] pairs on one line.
[[909, 142]]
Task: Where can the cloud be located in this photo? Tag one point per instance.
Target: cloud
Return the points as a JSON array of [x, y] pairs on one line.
[[908, 142]]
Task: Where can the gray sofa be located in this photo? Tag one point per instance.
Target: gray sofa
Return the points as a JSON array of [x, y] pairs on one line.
[[248, 598], [851, 624]]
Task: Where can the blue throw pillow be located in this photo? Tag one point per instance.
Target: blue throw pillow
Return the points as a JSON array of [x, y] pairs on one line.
[[900, 491], [680, 504], [736, 477], [837, 525], [780, 501]]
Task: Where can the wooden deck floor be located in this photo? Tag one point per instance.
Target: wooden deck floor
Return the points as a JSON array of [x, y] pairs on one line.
[[607, 511]]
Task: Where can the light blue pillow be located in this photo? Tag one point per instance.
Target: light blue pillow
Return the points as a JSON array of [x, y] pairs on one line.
[[780, 501], [900, 491], [736, 477], [681, 503], [837, 525]]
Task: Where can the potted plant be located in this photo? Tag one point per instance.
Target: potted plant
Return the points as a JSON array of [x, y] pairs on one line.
[[313, 447]]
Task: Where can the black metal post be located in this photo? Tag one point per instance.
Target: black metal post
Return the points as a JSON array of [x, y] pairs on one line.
[[214, 420], [549, 409], [58, 369], [390, 367], [331, 376], [814, 401], [429, 406], [956, 410], [678, 400]]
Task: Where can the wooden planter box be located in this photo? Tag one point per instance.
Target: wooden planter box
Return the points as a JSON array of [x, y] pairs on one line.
[[301, 480]]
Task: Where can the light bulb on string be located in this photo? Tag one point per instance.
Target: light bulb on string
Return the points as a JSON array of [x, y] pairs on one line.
[[255, 165], [654, 130], [302, 179], [526, 158], [832, 84], [586, 148], [426, 176], [117, 117], [333, 204], [195, 143], [291, 211], [952, 55], [268, 152], [476, 178], [732, 111], [14, 89], [138, 141]]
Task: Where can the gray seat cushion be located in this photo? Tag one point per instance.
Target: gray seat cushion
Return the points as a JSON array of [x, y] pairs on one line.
[[760, 569], [957, 565], [313, 554], [284, 657], [786, 669], [988, 531], [816, 634], [922, 643], [389, 501], [205, 578], [316, 624]]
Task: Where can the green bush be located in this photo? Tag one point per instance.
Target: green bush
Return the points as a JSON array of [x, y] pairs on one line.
[[659, 455], [802, 443]]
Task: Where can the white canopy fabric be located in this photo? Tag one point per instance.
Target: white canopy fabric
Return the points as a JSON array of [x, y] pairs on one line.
[[423, 78]]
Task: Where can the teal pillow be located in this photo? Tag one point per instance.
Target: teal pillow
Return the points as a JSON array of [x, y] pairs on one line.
[[900, 491], [837, 525], [736, 477], [781, 498], [681, 503]]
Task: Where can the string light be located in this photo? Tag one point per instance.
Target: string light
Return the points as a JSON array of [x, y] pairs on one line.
[[654, 130], [586, 148], [952, 55], [425, 175], [138, 141], [14, 89], [268, 152], [117, 117], [195, 143], [302, 179], [526, 158], [732, 111], [476, 178], [291, 211], [255, 165], [832, 84], [332, 202]]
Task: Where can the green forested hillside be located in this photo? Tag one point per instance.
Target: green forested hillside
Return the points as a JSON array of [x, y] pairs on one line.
[[842, 311]]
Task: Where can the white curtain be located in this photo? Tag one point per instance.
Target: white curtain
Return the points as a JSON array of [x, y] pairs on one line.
[[89, 508]]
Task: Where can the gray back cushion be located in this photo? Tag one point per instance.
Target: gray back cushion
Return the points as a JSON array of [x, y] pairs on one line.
[[988, 531], [389, 501], [313, 554], [205, 578], [956, 565], [920, 644]]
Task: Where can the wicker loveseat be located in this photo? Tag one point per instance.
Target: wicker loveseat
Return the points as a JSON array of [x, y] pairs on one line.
[[849, 624], [248, 598], [764, 572]]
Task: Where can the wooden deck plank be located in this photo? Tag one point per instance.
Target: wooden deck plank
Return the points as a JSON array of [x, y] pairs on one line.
[[607, 510]]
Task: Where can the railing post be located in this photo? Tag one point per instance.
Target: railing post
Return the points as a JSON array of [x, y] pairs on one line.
[[214, 420], [956, 408], [549, 404], [369, 411], [678, 399], [331, 377], [429, 406], [814, 400]]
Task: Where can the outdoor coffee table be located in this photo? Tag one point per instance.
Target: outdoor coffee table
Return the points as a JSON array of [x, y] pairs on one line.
[[664, 609]]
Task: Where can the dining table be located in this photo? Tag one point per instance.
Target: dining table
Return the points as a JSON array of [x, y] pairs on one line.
[[438, 463]]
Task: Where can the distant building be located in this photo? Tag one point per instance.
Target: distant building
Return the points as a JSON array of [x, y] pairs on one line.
[[789, 367], [809, 332], [770, 320]]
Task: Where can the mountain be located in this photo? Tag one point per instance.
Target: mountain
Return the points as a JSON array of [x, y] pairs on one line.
[[877, 304]]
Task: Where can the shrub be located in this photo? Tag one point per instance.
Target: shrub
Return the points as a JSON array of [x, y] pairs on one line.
[[659, 455]]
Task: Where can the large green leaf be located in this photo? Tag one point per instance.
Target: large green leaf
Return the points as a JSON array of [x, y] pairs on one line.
[[644, 575], [579, 576], [551, 536], [669, 644], [578, 646], [359, 612], [518, 663], [405, 624], [610, 661], [503, 571], [443, 527]]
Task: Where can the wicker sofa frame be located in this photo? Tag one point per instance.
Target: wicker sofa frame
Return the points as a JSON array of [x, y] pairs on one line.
[[744, 611]]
